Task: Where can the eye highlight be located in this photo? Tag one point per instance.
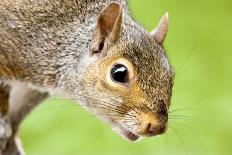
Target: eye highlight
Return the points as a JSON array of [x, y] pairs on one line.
[[119, 74]]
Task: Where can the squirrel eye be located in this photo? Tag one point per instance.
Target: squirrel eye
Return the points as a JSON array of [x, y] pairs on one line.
[[119, 73]]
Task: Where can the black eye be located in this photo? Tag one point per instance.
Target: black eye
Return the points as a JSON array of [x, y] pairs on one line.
[[119, 73]]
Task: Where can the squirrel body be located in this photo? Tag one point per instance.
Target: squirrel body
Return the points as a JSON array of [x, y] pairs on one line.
[[93, 51]]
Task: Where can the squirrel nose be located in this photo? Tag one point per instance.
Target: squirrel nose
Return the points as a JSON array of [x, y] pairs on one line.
[[152, 129], [150, 126]]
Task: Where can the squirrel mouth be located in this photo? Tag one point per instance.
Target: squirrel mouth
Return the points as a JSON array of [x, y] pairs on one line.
[[129, 135], [125, 133]]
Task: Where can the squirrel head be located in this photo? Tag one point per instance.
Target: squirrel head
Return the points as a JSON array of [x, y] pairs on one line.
[[130, 83]]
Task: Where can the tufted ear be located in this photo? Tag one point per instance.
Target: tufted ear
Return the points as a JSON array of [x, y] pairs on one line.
[[109, 25], [160, 32]]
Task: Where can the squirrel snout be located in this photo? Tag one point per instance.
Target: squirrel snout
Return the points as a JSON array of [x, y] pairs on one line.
[[153, 130], [150, 125]]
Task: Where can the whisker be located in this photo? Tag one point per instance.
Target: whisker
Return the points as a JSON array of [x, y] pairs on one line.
[[167, 143], [187, 58], [183, 109], [199, 139], [180, 137], [173, 117], [188, 67]]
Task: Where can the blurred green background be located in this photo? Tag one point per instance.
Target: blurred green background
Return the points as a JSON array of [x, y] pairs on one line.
[[199, 47]]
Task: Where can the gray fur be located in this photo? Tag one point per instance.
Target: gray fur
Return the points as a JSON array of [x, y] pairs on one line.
[[46, 45]]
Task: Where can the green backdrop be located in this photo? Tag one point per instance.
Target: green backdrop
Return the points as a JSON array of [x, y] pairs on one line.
[[199, 47]]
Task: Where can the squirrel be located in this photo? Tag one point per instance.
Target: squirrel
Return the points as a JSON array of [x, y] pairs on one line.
[[91, 50]]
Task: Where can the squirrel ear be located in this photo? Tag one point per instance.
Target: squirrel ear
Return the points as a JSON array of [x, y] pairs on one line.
[[108, 25], [160, 32]]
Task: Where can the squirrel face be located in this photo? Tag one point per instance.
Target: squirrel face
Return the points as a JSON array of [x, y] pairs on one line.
[[130, 85], [132, 90]]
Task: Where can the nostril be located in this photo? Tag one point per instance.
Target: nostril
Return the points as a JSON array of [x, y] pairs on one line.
[[150, 129]]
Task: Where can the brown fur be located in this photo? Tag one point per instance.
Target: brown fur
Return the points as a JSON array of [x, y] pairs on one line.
[[71, 45]]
